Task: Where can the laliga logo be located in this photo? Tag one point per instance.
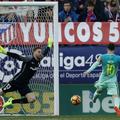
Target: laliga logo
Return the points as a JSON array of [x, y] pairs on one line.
[[8, 66]]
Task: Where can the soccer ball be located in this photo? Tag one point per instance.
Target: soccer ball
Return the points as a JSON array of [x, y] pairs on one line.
[[75, 99]]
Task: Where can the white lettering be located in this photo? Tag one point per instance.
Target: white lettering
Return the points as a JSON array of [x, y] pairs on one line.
[[25, 29], [83, 27], [98, 35]]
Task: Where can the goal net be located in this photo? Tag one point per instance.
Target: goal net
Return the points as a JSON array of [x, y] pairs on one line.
[[23, 26]]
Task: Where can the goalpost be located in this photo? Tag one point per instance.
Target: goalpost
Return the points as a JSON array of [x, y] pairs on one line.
[[24, 25]]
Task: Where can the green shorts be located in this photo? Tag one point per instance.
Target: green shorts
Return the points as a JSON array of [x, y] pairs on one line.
[[112, 87]]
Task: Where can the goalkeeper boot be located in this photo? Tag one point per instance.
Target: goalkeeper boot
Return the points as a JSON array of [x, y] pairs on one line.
[[8, 103], [117, 110]]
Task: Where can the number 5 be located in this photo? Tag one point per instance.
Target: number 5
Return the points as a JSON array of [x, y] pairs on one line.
[[114, 32]]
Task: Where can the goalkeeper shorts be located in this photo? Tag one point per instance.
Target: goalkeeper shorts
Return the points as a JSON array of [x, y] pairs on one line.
[[13, 86]]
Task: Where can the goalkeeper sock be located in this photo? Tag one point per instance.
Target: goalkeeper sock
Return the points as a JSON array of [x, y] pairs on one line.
[[116, 101], [22, 101]]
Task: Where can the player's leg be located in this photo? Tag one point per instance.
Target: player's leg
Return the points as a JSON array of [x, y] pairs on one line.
[[12, 101], [9, 87], [29, 98], [97, 93], [100, 87], [116, 104], [6, 88], [113, 91], [116, 101], [29, 95], [25, 91], [20, 101]]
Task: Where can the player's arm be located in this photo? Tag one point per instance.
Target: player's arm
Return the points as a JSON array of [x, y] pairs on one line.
[[13, 55], [47, 48], [94, 65]]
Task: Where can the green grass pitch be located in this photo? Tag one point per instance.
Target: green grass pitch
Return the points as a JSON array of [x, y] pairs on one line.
[[81, 117]]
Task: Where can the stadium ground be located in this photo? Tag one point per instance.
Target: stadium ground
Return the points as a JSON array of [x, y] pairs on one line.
[[82, 117]]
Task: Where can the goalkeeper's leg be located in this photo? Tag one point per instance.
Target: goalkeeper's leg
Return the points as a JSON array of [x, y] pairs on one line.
[[29, 98], [26, 92], [9, 87]]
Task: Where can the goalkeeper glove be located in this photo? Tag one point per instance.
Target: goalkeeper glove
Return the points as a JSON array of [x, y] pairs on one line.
[[2, 50], [50, 42]]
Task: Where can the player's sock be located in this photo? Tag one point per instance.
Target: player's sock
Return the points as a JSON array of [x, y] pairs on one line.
[[117, 110], [116, 101], [95, 96], [22, 101]]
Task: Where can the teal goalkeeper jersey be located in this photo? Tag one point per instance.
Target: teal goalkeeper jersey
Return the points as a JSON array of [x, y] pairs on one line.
[[110, 64]]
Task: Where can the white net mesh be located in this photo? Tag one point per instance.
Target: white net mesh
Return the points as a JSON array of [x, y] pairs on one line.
[[26, 14], [21, 29]]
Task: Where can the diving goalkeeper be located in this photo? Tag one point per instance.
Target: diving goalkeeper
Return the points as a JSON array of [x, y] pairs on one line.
[[21, 80]]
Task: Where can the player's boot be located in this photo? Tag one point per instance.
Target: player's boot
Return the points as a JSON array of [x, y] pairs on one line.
[[117, 110], [8, 103]]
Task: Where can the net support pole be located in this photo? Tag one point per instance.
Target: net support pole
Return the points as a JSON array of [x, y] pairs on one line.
[[56, 61]]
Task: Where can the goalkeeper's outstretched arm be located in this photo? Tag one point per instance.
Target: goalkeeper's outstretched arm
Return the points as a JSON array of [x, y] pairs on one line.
[[13, 55], [18, 57], [26, 59]]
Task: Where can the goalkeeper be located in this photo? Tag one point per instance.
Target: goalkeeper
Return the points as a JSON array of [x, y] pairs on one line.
[[21, 80]]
